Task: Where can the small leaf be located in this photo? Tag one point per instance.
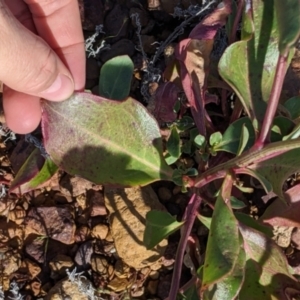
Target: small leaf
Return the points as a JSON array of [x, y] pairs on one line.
[[288, 14], [35, 171], [191, 172], [191, 293], [293, 106], [234, 137], [185, 123], [215, 138], [115, 78], [199, 140], [173, 143], [159, 225], [263, 181], [284, 125], [104, 141], [170, 159], [244, 140], [223, 244], [177, 177], [206, 221], [236, 203]]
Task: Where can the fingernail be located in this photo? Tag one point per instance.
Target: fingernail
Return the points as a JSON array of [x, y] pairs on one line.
[[61, 89]]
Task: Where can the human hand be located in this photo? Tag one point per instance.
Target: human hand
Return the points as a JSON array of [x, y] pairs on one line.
[[41, 56]]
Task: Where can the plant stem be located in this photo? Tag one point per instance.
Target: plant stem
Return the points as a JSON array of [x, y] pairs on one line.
[[273, 102], [189, 218], [232, 37]]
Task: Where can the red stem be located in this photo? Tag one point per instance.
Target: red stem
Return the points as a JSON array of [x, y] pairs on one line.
[[189, 218], [273, 103]]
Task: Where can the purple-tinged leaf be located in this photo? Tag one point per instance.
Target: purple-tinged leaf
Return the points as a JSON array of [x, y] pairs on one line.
[[193, 55], [165, 98], [266, 272], [282, 214], [35, 171], [104, 141]]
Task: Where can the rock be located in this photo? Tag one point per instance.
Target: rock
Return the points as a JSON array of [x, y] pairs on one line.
[[74, 186], [59, 265], [282, 235], [67, 289], [83, 254], [119, 284], [35, 287], [99, 264], [128, 208], [82, 233], [54, 222], [10, 262], [30, 268], [137, 293], [96, 203], [121, 269], [35, 249], [152, 286], [99, 231]]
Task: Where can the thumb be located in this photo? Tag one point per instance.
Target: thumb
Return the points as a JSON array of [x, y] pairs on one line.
[[28, 64]]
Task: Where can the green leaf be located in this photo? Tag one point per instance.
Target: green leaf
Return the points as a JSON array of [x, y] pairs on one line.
[[159, 225], [288, 14], [282, 126], [243, 141], [115, 78], [293, 106], [223, 244], [236, 203], [199, 140], [229, 287], [215, 139], [35, 171], [248, 66], [185, 123], [191, 172], [250, 222], [170, 159], [206, 221], [173, 143], [266, 273], [231, 18], [234, 137], [177, 177], [263, 181], [104, 141], [277, 169], [191, 293]]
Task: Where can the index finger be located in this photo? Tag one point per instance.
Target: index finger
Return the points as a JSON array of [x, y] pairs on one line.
[[59, 24]]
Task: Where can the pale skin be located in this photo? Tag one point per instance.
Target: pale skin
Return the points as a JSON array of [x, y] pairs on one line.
[[41, 56]]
